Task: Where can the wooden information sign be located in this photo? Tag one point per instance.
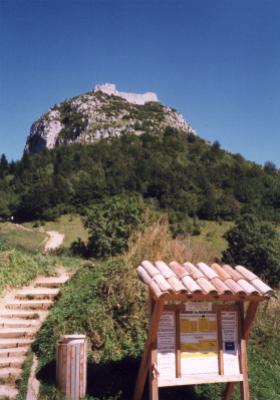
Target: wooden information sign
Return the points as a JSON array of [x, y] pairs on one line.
[[198, 328]]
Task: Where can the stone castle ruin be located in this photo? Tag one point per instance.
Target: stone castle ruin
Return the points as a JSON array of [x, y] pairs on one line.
[[135, 98]]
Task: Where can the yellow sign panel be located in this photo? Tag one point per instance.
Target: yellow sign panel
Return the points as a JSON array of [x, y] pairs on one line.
[[198, 341], [200, 323]]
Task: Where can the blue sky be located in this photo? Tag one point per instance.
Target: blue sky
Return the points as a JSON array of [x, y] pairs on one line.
[[216, 61]]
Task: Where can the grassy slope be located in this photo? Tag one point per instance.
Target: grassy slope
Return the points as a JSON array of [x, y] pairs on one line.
[[112, 317], [70, 225], [21, 238], [18, 268], [211, 237]]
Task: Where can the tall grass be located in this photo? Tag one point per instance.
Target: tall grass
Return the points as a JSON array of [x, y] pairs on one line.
[[155, 242], [268, 318]]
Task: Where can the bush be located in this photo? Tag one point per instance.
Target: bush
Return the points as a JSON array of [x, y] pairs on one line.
[[111, 223], [256, 245]]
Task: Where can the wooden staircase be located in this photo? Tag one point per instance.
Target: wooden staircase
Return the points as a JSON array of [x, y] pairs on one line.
[[22, 313]]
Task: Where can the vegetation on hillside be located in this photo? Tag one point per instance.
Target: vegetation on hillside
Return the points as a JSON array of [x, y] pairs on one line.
[[255, 244], [174, 172], [110, 224], [177, 177], [18, 268]]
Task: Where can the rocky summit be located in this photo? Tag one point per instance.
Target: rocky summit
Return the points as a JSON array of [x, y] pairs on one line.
[[103, 112]]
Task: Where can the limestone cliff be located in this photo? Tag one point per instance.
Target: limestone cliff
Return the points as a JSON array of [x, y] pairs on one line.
[[103, 112]]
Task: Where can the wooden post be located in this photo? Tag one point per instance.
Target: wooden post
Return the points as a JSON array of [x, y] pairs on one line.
[[245, 325], [153, 372], [178, 344], [220, 344], [144, 366], [71, 367], [229, 391], [244, 385], [250, 315], [153, 385]]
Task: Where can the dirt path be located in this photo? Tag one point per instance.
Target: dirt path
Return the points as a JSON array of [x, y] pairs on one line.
[[55, 240], [33, 383]]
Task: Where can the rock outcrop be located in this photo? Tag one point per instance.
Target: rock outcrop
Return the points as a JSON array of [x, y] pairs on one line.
[[101, 113]]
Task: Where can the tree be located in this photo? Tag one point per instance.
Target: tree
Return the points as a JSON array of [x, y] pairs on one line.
[[111, 222], [255, 244], [3, 161], [216, 145], [4, 206], [3, 165], [269, 166]]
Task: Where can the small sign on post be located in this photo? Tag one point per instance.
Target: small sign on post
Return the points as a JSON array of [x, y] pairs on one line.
[[198, 328], [71, 366]]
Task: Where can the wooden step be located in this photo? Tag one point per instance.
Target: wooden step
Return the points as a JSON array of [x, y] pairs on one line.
[[8, 392], [9, 333], [11, 362], [27, 314], [18, 323], [13, 352], [51, 282], [29, 304], [10, 375], [37, 293], [15, 342]]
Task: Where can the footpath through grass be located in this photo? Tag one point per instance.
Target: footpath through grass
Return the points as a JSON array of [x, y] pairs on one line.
[[70, 225]]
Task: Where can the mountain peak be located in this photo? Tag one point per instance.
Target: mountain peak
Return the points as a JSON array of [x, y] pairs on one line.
[[103, 112]]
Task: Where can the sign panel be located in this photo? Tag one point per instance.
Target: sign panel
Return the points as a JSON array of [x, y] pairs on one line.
[[199, 306], [229, 324], [198, 343], [166, 345]]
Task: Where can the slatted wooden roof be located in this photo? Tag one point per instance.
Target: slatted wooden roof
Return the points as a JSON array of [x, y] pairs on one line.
[[202, 281]]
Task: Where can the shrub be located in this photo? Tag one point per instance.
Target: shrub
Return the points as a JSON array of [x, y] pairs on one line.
[[111, 223], [256, 245]]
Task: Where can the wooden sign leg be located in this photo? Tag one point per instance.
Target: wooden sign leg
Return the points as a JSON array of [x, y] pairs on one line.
[[153, 374], [246, 325], [229, 391], [144, 366], [251, 313], [244, 386]]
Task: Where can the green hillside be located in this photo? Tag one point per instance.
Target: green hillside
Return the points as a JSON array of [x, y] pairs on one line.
[[172, 171], [166, 196]]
